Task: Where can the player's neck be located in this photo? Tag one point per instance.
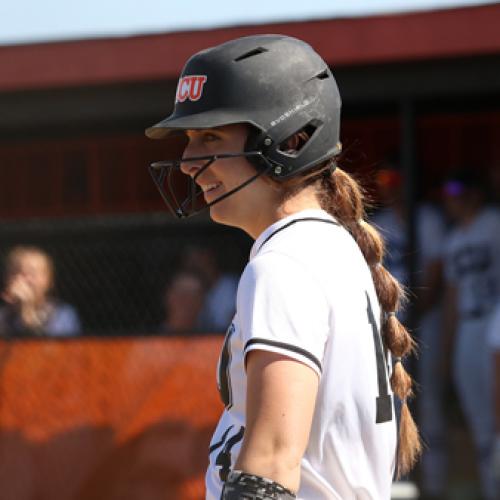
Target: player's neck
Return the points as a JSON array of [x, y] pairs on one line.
[[306, 199]]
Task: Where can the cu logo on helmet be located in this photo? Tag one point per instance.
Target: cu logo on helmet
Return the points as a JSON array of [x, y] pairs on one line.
[[190, 87]]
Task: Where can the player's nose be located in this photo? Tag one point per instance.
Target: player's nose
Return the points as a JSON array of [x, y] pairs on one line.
[[188, 166]]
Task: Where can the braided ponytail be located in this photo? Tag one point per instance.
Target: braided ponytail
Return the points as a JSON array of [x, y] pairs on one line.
[[340, 195]]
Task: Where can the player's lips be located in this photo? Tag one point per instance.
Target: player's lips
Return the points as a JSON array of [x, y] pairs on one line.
[[212, 190]]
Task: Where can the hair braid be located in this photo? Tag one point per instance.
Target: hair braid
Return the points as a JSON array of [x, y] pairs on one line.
[[342, 196]]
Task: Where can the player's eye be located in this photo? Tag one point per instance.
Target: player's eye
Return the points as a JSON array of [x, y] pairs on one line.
[[210, 137]]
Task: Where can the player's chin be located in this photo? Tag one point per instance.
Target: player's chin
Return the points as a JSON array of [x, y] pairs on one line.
[[222, 213], [217, 213]]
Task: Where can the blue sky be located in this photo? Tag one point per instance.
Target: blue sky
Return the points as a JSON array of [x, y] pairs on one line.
[[27, 21]]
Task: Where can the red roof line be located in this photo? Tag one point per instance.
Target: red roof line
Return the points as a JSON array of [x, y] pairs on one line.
[[389, 38]]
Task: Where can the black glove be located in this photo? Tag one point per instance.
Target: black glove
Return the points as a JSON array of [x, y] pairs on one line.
[[243, 486]]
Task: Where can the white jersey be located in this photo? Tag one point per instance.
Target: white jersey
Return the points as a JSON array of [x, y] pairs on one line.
[[307, 293], [472, 264], [494, 329]]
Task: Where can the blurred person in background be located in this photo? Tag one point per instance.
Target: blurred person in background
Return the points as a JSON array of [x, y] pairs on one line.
[[30, 307], [494, 338], [494, 190], [391, 219], [220, 300], [183, 301], [472, 272]]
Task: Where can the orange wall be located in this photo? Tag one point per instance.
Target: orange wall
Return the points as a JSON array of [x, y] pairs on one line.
[[114, 419]]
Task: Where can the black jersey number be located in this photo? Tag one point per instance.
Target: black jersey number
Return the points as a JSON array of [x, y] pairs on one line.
[[384, 400], [224, 367], [224, 460]]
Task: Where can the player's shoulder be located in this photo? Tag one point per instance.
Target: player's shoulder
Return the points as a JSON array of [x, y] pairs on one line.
[[277, 276], [302, 232], [285, 266], [308, 245], [311, 241], [272, 264]]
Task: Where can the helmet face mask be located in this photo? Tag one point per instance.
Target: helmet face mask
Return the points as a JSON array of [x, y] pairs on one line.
[[180, 192], [277, 85]]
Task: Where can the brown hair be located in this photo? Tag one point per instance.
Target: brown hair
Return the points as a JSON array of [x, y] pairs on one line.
[[341, 196]]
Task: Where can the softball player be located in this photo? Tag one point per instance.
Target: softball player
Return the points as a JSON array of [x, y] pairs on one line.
[[304, 368], [494, 339], [430, 232], [472, 271]]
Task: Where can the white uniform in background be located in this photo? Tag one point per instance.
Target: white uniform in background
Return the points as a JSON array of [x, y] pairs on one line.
[[430, 237], [472, 265], [494, 340], [430, 234], [307, 293], [494, 329]]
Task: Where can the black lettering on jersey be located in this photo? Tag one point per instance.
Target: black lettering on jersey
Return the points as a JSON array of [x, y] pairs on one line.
[[472, 259], [224, 367], [224, 459], [221, 441], [472, 265], [384, 399]]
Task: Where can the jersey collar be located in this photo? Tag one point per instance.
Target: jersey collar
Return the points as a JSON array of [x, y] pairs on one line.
[[313, 213]]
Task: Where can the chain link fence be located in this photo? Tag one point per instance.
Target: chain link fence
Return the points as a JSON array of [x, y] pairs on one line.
[[114, 270]]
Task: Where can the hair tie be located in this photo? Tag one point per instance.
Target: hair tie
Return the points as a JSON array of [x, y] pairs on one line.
[[390, 314], [331, 167], [397, 359]]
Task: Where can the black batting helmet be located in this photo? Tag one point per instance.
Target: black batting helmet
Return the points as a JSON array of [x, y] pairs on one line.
[[276, 84]]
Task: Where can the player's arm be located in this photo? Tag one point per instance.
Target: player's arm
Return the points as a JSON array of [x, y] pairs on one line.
[[20, 294], [281, 394]]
